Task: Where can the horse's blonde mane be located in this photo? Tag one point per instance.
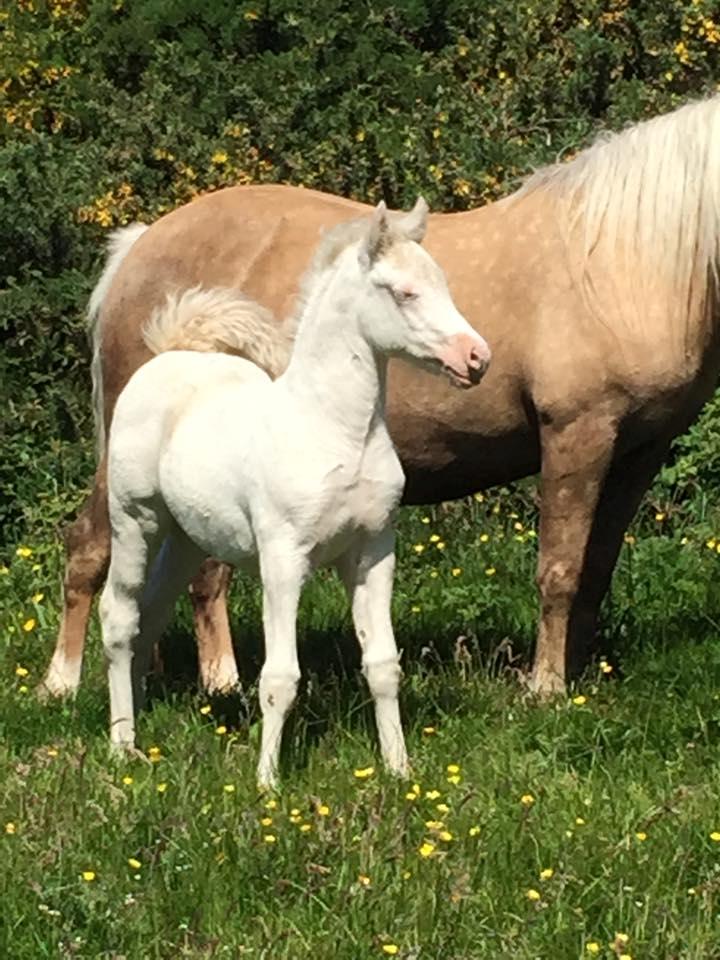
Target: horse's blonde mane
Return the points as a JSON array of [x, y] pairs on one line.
[[219, 320], [653, 192]]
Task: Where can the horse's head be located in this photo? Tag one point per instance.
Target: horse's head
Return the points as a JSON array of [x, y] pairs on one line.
[[411, 312]]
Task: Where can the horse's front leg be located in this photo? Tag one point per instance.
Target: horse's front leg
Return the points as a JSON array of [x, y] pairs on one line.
[[367, 571], [575, 461], [283, 572]]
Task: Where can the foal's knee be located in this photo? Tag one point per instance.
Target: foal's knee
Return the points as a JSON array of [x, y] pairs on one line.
[[383, 678], [278, 692]]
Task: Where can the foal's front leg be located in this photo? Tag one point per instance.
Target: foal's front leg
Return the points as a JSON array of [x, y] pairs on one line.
[[283, 573], [367, 571]]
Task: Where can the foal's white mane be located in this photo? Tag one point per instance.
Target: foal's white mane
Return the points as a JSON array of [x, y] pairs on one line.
[[654, 191]]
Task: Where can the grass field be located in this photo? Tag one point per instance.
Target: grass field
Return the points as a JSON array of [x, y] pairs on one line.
[[587, 826]]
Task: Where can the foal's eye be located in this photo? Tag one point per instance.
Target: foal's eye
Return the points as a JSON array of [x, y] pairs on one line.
[[402, 296]]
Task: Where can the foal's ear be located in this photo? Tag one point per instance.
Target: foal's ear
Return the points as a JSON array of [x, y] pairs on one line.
[[414, 224], [376, 239]]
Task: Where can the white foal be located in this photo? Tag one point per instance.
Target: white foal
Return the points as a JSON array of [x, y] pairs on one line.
[[207, 455]]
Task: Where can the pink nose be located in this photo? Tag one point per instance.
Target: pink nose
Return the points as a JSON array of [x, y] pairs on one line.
[[467, 356]]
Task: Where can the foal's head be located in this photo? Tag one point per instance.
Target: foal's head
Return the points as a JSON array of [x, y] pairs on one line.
[[410, 310]]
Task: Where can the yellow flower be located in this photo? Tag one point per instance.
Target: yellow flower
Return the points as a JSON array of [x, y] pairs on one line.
[[415, 609], [625, 956], [271, 805], [605, 666], [593, 948], [445, 835], [270, 838], [473, 831], [641, 836], [490, 571], [251, 15], [23, 688], [440, 545], [425, 520], [4, 571], [229, 788], [324, 810], [434, 574], [222, 729], [410, 795], [363, 880], [127, 780], [364, 772], [579, 821], [23, 552], [579, 700], [52, 751], [21, 671], [219, 157], [154, 754], [305, 827], [419, 547], [37, 597], [715, 835], [390, 948], [406, 875], [266, 821], [533, 894], [454, 778], [434, 538], [88, 875], [360, 136], [453, 768], [484, 537], [546, 873], [621, 938], [432, 794], [10, 827], [427, 849], [135, 864], [527, 799], [161, 787], [206, 709], [442, 808], [429, 731], [29, 624], [660, 516], [434, 824], [456, 571]]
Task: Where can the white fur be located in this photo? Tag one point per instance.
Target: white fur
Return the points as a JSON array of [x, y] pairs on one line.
[[221, 321], [119, 244], [207, 455]]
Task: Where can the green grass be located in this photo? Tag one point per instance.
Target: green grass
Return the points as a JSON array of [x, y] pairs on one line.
[[620, 789]]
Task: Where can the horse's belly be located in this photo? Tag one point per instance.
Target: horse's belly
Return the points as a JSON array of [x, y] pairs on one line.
[[362, 511]]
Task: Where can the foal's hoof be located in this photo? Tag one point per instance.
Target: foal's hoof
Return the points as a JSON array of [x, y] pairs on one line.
[[54, 687]]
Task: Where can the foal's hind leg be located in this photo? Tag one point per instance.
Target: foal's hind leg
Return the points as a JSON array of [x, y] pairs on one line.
[[176, 562], [208, 593], [135, 542], [367, 571], [575, 461], [87, 545]]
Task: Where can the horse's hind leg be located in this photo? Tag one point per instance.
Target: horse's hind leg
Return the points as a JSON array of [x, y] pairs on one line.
[[575, 460], [87, 547], [208, 593]]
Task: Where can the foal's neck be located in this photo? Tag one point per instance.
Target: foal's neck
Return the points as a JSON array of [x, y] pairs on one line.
[[334, 371]]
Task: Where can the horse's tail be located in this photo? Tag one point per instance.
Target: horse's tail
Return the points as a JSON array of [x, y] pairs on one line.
[[219, 321], [118, 247]]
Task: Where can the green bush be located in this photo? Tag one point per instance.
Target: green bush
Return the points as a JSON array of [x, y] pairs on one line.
[[123, 109]]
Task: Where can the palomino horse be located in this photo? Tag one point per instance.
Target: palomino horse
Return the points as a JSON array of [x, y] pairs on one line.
[[304, 471], [597, 288]]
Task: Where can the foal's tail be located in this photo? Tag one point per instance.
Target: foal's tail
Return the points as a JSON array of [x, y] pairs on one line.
[[118, 247], [219, 321]]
